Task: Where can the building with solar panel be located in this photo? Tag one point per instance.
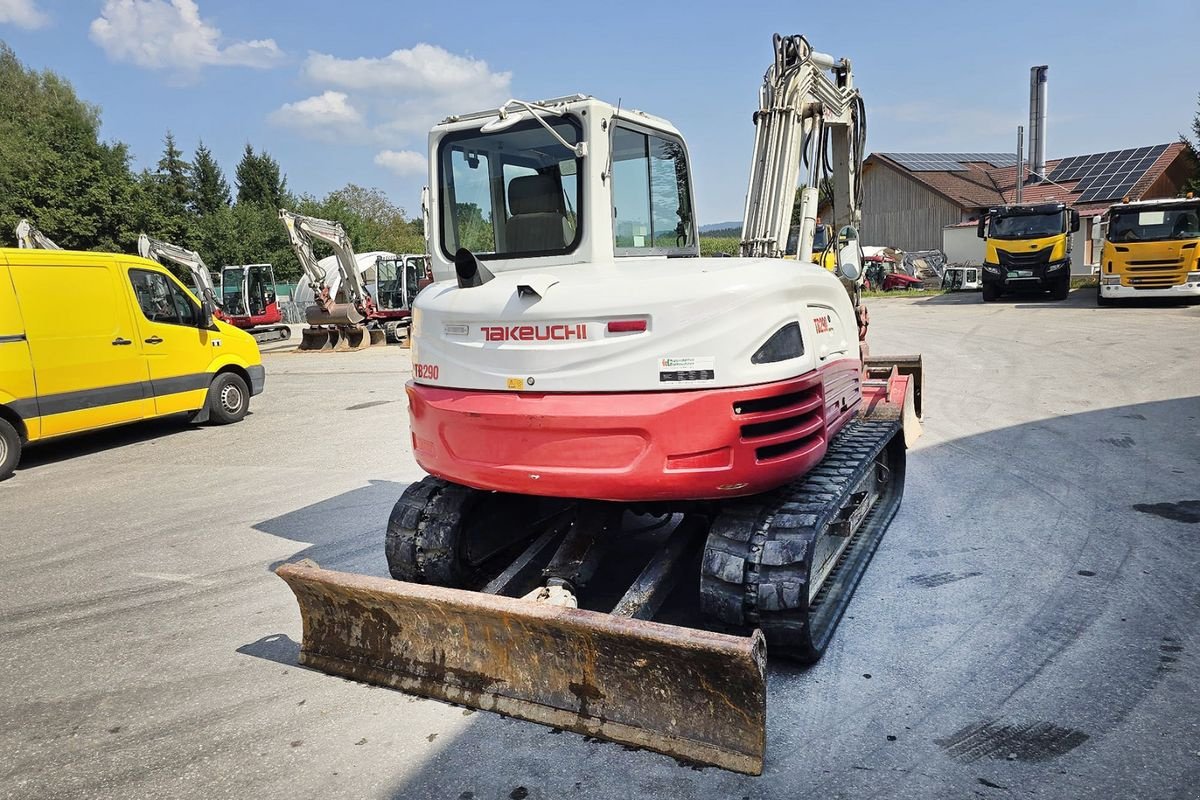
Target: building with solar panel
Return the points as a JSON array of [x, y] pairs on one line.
[[931, 201]]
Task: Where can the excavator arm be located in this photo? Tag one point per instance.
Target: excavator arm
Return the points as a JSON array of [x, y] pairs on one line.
[[810, 128], [31, 238], [302, 230], [332, 325], [163, 252]]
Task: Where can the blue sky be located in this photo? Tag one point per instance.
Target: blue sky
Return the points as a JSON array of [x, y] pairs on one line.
[[345, 91]]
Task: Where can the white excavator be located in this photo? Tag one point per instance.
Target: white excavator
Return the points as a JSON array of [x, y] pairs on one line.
[[578, 366], [264, 323], [350, 318], [29, 237]]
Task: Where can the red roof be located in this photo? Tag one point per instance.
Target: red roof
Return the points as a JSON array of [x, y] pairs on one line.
[[982, 185]]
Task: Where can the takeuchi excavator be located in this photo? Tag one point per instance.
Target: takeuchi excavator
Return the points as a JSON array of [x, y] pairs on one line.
[[647, 469], [263, 321], [348, 318]]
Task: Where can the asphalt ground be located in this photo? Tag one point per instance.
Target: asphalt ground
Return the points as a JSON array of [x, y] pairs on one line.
[[1028, 627]]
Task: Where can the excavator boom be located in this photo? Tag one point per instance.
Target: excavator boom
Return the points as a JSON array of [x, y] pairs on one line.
[[162, 252], [31, 238], [332, 325]]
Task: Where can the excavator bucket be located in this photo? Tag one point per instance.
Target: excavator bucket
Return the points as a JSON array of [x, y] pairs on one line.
[[334, 314], [693, 694], [352, 338], [318, 339]]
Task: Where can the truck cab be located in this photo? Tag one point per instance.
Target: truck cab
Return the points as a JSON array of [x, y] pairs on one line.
[[1027, 248], [1151, 250]]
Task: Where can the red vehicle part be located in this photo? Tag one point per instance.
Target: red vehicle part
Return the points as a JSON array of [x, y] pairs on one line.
[[677, 445], [898, 280]]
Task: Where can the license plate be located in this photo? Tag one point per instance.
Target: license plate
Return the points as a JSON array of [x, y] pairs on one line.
[[1020, 273]]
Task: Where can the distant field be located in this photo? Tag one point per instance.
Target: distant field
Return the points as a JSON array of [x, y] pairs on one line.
[[717, 245]]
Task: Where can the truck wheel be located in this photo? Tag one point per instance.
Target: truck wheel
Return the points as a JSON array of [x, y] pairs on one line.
[[1061, 288], [228, 399], [990, 293], [10, 449]]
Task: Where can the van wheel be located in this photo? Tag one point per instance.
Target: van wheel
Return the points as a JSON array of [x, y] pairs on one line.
[[10, 449], [228, 399]]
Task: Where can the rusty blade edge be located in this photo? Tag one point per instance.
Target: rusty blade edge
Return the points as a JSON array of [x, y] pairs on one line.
[[330, 601], [567, 617], [680, 747]]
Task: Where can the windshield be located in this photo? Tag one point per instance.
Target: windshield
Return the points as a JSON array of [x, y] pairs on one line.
[[510, 193], [231, 290], [1026, 226], [1132, 225]]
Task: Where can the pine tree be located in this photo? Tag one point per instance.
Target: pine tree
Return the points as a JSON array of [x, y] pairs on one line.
[[172, 193], [1192, 184], [210, 190], [259, 179]]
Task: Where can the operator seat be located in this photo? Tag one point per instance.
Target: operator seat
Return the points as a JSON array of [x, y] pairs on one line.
[[537, 221]]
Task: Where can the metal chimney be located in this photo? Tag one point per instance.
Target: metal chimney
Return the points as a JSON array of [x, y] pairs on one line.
[[1037, 123], [1020, 163]]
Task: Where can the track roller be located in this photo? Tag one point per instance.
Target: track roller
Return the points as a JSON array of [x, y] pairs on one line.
[[787, 562]]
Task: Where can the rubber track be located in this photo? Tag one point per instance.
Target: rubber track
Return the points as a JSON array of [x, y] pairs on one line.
[[423, 532], [756, 564]]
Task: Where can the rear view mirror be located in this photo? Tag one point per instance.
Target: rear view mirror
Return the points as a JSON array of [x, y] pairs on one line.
[[1074, 220], [206, 314], [979, 227], [850, 255]]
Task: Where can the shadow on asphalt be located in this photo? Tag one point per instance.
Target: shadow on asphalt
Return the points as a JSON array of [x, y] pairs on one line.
[[344, 532], [278, 647], [82, 444], [1070, 611]]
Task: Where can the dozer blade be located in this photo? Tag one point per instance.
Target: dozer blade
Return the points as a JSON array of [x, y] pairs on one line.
[[893, 389], [689, 693]]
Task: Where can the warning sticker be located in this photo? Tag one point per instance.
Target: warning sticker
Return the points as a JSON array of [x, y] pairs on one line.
[[689, 369], [516, 383]]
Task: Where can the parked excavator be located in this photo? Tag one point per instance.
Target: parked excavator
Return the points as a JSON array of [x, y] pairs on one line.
[[578, 366], [348, 318], [264, 326], [30, 237]]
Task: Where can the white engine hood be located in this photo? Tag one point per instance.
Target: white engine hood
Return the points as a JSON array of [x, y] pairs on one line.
[[547, 329]]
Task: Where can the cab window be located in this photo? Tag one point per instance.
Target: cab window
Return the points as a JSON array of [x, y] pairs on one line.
[[161, 300], [652, 211]]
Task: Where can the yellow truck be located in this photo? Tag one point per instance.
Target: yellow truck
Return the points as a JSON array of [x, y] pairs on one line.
[[1027, 247], [1151, 250], [90, 340]]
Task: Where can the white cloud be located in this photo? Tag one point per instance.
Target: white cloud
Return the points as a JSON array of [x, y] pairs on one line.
[[157, 34], [23, 14], [409, 90], [422, 68], [402, 162], [326, 115]]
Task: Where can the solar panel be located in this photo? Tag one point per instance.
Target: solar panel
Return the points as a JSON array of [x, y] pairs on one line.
[[949, 162], [1114, 174], [1106, 176]]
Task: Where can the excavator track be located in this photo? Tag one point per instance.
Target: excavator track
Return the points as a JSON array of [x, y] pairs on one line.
[[787, 562]]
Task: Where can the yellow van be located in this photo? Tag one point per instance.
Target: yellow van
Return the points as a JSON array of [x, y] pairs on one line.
[[89, 340]]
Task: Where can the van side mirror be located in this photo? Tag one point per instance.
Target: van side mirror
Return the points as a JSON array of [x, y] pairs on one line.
[[1074, 221], [979, 226], [206, 314]]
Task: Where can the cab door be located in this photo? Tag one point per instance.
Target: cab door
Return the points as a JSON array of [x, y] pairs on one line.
[[87, 357], [178, 351], [17, 389]]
